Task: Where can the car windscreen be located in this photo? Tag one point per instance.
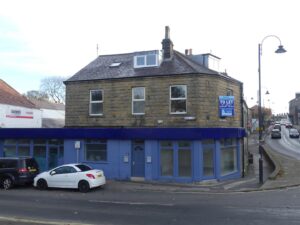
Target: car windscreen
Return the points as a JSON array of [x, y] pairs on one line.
[[25, 163], [83, 167]]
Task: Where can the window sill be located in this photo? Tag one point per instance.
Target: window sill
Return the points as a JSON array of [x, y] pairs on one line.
[[178, 113], [96, 115]]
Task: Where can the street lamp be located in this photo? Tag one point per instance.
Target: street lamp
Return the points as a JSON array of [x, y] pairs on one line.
[[260, 149]]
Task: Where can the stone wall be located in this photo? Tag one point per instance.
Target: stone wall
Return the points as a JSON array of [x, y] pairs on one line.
[[202, 102]]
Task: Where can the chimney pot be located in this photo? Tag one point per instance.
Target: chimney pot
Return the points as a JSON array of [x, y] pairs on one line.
[[186, 52], [167, 32]]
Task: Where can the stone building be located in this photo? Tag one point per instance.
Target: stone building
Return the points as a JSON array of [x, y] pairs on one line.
[[150, 89], [154, 115], [294, 109]]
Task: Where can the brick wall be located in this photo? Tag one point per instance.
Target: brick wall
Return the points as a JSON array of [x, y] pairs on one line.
[[202, 102]]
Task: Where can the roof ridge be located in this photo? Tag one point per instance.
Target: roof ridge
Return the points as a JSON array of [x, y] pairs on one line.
[[128, 53]]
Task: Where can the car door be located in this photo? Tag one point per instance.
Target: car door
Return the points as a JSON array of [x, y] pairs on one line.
[[71, 177], [54, 177], [60, 177]]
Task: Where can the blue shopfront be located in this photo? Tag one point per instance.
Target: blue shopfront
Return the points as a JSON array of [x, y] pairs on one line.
[[164, 154]]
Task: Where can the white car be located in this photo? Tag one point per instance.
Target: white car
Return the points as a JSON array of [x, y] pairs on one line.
[[75, 175]]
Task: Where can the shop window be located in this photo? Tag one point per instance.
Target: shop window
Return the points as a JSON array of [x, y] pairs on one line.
[[208, 147], [228, 156], [40, 141], [9, 151], [10, 141], [166, 162], [24, 141], [55, 142], [61, 152], [184, 159], [16, 147], [39, 153], [24, 151], [166, 158], [183, 152], [95, 150]]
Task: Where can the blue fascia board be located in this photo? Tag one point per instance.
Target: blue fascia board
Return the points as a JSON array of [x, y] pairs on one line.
[[124, 133]]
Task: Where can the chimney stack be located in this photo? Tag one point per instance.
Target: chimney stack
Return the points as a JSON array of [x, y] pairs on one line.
[[167, 45]]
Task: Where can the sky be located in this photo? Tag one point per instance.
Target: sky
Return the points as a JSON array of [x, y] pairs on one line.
[[44, 38]]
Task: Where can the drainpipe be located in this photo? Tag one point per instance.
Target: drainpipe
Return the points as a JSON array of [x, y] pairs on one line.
[[243, 125]]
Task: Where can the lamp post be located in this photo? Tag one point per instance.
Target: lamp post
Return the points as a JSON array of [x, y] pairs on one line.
[[260, 149]]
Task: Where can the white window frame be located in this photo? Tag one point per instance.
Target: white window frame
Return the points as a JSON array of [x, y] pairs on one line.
[[93, 102], [145, 60], [137, 100], [229, 92], [173, 99]]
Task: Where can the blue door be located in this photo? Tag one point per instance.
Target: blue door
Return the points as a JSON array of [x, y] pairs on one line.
[[138, 159]]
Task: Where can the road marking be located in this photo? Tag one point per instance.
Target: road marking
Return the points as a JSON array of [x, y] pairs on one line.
[[38, 221], [132, 203]]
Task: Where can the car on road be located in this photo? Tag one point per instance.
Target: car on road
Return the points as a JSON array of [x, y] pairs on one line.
[[277, 126], [275, 133], [17, 171], [288, 125], [294, 133], [78, 176]]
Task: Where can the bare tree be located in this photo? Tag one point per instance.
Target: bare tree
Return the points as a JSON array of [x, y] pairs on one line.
[[33, 94], [54, 88]]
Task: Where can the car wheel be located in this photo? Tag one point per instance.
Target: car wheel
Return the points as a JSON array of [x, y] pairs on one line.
[[83, 186], [42, 184], [7, 183]]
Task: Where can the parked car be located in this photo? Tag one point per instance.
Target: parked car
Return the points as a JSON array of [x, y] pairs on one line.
[[17, 171], [294, 133], [78, 176], [275, 133]]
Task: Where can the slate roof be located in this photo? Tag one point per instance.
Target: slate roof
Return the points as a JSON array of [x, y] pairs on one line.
[[10, 96], [100, 69], [44, 104], [53, 123]]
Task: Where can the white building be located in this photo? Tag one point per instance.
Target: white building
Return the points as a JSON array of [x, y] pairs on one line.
[[53, 114], [16, 111]]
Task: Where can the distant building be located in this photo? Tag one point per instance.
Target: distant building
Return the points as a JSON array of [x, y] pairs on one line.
[[294, 109], [16, 111], [53, 114]]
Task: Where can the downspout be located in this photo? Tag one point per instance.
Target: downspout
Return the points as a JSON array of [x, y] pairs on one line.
[[243, 126]]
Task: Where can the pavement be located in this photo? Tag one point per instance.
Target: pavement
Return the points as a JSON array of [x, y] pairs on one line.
[[279, 171]]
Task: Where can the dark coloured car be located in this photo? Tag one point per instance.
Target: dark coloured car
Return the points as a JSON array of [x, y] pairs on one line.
[[294, 133], [17, 171], [275, 133], [288, 125]]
